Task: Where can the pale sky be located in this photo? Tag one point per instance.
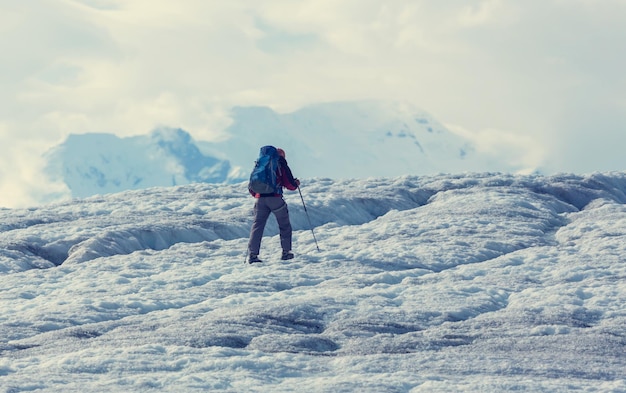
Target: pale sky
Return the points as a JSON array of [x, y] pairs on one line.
[[541, 81]]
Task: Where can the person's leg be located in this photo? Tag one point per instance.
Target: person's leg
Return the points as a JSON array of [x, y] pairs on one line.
[[280, 210], [261, 213]]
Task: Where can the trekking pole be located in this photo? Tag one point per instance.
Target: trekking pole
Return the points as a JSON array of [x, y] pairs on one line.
[[309, 218]]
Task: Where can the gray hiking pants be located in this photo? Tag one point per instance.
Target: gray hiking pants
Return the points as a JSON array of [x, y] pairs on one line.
[[262, 209]]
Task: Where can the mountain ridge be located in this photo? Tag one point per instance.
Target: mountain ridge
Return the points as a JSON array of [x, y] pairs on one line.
[[101, 163], [354, 139]]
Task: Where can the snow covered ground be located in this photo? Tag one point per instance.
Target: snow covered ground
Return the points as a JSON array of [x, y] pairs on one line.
[[470, 282]]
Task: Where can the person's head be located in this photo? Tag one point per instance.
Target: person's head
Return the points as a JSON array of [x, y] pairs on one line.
[[281, 152]]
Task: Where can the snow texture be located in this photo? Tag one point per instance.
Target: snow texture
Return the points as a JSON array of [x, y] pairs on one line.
[[468, 283]]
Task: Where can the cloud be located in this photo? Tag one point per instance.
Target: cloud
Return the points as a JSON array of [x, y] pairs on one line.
[[21, 180], [480, 14], [508, 147], [529, 68]]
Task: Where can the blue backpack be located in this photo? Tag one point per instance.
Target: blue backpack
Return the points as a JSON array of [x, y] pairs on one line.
[[263, 178]]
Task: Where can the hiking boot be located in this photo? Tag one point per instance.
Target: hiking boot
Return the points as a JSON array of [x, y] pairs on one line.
[[252, 258], [287, 255]]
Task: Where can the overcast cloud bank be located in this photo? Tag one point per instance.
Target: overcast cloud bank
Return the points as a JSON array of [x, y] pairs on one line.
[[544, 76]]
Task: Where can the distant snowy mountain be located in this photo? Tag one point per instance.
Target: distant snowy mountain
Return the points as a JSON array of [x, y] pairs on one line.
[[355, 139], [335, 140], [103, 163]]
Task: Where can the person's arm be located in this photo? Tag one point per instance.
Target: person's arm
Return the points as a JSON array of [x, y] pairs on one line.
[[287, 179]]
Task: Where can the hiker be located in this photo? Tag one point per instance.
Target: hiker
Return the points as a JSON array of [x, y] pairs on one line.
[[274, 171]]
